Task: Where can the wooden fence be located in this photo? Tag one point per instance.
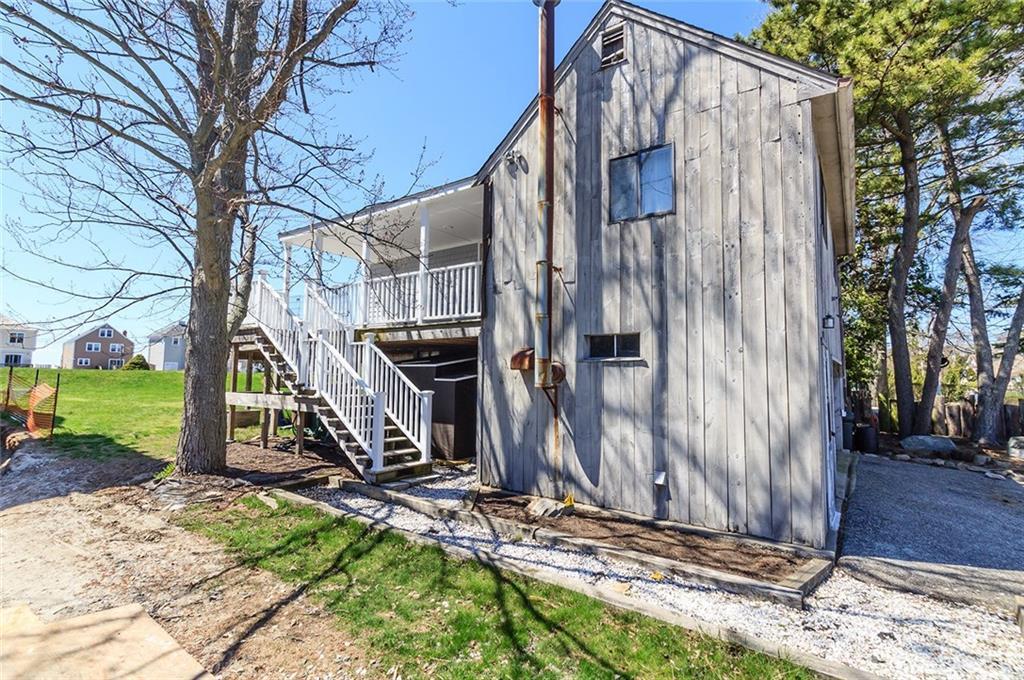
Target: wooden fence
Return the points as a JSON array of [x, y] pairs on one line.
[[958, 419]]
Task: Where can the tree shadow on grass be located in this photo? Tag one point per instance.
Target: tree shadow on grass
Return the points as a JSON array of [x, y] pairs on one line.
[[518, 615]]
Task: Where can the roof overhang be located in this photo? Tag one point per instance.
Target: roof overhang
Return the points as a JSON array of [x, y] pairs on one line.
[[454, 212], [834, 136]]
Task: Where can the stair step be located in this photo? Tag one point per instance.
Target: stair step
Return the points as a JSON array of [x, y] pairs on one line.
[[391, 473]]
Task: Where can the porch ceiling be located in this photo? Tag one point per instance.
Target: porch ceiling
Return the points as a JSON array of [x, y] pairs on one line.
[[454, 212]]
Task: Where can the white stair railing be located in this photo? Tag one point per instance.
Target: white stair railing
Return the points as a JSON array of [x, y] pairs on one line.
[[321, 319], [360, 408], [409, 407], [269, 310]]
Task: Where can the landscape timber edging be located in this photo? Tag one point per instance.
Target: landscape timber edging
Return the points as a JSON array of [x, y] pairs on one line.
[[823, 667], [791, 592]]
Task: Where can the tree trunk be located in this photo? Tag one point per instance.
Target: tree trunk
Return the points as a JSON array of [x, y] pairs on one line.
[[940, 325], [904, 258], [963, 218], [882, 388], [986, 429], [202, 444]]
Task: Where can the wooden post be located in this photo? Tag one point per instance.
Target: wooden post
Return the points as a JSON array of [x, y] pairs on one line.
[[277, 390], [248, 374], [939, 415], [299, 424], [234, 388], [966, 419], [953, 420], [7, 392], [421, 302], [56, 394], [265, 415]]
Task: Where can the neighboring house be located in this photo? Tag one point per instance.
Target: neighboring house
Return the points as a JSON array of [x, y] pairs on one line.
[[166, 350], [103, 347], [17, 341], [702, 192]]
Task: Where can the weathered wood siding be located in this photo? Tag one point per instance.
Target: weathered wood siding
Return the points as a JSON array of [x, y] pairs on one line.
[[724, 293]]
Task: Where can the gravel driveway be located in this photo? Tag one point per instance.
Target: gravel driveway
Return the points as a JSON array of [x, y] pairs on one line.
[[941, 532]]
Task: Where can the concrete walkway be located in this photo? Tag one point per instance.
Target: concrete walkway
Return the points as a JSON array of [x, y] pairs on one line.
[[946, 533], [124, 642]]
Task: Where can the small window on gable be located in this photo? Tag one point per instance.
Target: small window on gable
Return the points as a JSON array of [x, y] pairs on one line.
[[613, 45], [175, 341], [106, 332], [617, 346]]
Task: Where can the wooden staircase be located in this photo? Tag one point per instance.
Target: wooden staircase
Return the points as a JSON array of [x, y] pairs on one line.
[[401, 457]]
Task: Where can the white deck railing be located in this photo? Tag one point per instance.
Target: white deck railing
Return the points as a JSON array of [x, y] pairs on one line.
[[408, 406], [452, 292], [393, 299], [360, 408]]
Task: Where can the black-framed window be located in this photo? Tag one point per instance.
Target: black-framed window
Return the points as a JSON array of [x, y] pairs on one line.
[[614, 346], [642, 184]]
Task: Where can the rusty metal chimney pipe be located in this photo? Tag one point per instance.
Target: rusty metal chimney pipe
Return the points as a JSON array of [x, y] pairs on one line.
[[546, 195]]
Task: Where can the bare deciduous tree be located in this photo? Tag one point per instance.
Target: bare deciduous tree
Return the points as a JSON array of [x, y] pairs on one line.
[[189, 126]]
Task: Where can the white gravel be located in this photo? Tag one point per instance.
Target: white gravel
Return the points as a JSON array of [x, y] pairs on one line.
[[887, 632]]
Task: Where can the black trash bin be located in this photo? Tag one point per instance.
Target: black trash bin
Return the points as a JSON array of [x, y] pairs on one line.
[[865, 439]]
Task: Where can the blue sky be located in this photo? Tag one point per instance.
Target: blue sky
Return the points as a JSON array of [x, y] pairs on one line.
[[466, 75]]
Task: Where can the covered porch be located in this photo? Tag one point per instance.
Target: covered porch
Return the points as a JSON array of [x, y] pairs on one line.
[[419, 260]]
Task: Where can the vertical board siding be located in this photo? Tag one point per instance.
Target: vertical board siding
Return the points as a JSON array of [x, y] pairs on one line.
[[726, 398], [753, 321]]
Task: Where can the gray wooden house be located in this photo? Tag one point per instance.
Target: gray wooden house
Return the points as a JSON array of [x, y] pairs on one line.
[[702, 192]]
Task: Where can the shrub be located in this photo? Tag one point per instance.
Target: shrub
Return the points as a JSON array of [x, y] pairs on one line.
[[136, 363]]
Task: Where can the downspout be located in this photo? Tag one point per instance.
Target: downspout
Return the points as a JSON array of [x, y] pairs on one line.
[[547, 376], [546, 192]]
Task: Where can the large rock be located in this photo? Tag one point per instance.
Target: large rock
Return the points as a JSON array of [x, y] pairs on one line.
[[1015, 447], [547, 507], [922, 442]]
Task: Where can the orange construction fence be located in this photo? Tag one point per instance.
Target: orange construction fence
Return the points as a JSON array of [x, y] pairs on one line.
[[30, 402]]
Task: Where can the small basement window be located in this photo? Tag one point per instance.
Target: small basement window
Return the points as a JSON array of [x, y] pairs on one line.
[[642, 184], [613, 45], [617, 346]]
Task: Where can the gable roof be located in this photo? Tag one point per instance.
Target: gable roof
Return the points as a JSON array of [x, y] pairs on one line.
[[7, 322], [175, 329], [93, 330]]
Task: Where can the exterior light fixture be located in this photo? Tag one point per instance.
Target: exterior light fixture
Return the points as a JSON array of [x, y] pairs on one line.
[[828, 322]]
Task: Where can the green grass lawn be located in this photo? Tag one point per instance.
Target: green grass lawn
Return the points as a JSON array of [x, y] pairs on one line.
[[107, 413], [431, 615]]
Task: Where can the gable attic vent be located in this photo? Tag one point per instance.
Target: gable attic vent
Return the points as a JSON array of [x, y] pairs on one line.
[[613, 45]]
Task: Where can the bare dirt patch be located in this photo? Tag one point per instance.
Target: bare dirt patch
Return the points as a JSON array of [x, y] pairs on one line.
[[723, 553], [280, 463], [74, 553]]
